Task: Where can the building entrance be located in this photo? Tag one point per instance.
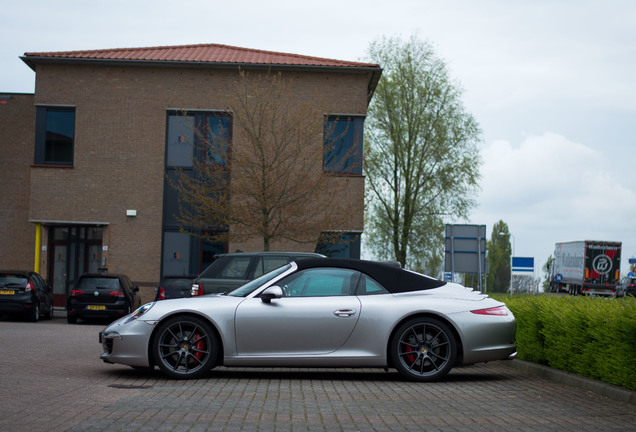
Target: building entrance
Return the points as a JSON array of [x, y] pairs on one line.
[[73, 250]]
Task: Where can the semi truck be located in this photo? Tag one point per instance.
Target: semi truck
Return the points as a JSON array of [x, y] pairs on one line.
[[588, 267]]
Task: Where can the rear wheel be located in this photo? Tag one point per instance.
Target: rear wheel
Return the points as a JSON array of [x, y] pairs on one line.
[[423, 349], [185, 347], [35, 312]]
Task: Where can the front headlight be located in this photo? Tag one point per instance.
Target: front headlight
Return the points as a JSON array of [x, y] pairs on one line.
[[139, 312]]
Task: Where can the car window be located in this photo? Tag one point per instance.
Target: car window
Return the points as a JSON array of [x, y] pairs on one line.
[[236, 268], [368, 286], [13, 280], [265, 264], [320, 282], [98, 282], [177, 283], [247, 289], [38, 279], [228, 267]]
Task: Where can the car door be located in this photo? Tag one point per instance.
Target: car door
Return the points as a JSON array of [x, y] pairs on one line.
[[42, 292], [316, 316]]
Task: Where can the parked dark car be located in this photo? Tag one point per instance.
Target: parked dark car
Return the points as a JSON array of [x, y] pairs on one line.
[[26, 293], [102, 296], [627, 287], [174, 287], [230, 271]]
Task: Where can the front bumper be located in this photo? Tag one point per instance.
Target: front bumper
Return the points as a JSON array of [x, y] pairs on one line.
[[127, 342]]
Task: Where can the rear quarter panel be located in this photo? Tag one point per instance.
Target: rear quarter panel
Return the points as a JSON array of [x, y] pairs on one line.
[[479, 334]]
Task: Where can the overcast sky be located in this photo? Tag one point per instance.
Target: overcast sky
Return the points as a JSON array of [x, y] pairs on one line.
[[551, 82]]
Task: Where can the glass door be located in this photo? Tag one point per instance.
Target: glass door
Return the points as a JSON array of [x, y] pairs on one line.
[[74, 250]]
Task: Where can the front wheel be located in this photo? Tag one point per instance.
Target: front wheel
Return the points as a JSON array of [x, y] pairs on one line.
[[423, 349], [185, 347]]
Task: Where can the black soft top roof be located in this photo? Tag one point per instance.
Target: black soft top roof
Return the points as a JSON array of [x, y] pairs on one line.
[[390, 275]]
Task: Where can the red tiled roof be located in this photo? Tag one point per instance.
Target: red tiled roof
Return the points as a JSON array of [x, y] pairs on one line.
[[203, 53]]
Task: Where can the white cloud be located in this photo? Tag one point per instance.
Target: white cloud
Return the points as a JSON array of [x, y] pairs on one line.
[[551, 189]]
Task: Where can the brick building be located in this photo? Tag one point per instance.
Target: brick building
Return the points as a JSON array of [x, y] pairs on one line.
[[85, 163]]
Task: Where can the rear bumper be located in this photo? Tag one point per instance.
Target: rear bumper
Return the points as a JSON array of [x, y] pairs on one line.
[[113, 310], [15, 306]]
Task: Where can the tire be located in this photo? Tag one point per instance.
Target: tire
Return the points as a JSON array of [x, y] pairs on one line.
[[49, 314], [423, 349], [71, 319], [35, 312], [185, 347]]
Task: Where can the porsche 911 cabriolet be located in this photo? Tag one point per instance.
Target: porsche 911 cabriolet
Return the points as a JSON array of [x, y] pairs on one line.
[[319, 313]]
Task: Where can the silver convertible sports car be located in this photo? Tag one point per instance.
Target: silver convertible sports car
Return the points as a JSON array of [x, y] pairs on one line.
[[319, 313]]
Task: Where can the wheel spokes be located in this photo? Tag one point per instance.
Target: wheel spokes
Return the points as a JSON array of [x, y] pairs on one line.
[[424, 349], [183, 347]]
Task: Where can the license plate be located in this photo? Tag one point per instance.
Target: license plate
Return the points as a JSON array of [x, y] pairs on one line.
[[7, 292], [96, 307]]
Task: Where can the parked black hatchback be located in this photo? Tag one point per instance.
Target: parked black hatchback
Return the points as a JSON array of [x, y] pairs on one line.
[[108, 296], [174, 287], [25, 292]]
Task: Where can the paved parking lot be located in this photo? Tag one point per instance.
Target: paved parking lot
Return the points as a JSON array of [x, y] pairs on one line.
[[52, 380]]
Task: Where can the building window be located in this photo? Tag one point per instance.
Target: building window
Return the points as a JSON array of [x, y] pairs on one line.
[[193, 139], [204, 136], [217, 139], [343, 145], [339, 245], [54, 135]]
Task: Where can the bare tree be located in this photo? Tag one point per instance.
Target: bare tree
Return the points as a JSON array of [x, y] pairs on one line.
[[270, 182]]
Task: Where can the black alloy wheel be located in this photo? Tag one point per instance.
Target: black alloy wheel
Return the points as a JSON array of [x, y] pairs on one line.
[[423, 349], [185, 347]]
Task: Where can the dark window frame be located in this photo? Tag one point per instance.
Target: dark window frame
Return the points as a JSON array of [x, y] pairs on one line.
[[199, 249], [343, 144], [45, 145]]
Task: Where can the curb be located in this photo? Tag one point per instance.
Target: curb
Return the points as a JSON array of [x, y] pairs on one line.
[[611, 391]]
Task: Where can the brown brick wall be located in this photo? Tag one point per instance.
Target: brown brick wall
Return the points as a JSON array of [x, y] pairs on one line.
[[17, 235], [120, 144]]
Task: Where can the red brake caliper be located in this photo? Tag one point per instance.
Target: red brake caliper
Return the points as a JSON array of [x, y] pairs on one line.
[[410, 357], [199, 346]]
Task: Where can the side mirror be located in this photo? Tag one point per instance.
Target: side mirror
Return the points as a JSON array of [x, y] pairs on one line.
[[273, 292]]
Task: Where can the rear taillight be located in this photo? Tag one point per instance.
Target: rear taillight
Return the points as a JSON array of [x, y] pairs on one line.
[[28, 287], [77, 292], [197, 290], [116, 293], [499, 310], [162, 293]]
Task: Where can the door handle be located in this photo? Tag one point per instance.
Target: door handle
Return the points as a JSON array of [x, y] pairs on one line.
[[345, 313]]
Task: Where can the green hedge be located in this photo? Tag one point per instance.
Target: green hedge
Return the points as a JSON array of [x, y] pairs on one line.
[[589, 336]]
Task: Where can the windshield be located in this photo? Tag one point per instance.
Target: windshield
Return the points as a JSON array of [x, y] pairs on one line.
[[246, 289]]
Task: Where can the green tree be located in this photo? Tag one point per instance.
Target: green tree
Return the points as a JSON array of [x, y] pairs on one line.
[[499, 254], [422, 161], [547, 268]]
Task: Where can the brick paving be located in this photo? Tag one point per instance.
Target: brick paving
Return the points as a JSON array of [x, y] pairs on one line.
[[52, 380]]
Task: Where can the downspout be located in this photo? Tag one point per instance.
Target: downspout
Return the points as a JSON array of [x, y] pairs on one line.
[[38, 239]]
